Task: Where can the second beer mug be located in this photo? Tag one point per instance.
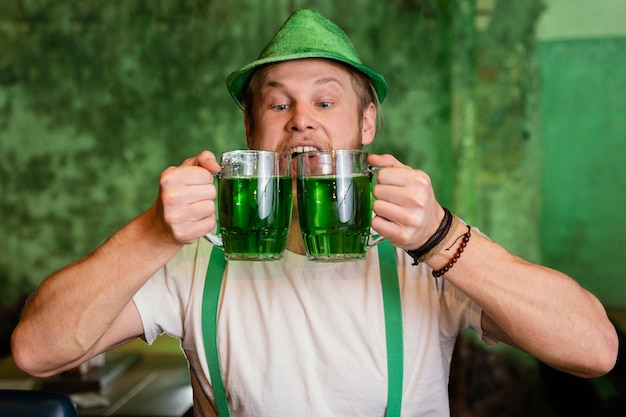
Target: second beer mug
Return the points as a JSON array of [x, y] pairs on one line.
[[254, 204], [335, 204]]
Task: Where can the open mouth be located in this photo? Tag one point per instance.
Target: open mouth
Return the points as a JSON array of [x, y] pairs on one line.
[[301, 149]]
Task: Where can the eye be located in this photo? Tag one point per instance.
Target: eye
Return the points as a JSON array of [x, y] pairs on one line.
[[325, 104], [281, 107]]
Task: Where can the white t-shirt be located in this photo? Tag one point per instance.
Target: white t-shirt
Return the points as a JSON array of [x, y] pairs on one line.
[[301, 338]]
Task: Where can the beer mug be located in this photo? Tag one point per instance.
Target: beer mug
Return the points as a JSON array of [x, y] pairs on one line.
[[335, 204], [254, 192]]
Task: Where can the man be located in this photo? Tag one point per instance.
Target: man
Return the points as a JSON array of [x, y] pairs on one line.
[[296, 337]]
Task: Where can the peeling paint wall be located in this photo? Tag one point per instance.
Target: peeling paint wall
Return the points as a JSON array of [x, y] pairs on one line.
[[584, 163], [582, 56], [97, 98]]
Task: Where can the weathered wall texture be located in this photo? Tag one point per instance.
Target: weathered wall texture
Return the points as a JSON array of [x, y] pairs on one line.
[[494, 119], [97, 98], [582, 57], [584, 162]]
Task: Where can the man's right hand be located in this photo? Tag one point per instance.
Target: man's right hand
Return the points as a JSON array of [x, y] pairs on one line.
[[186, 203], [86, 307]]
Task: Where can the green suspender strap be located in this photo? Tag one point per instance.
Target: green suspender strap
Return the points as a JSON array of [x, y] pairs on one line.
[[210, 304], [393, 327], [392, 305]]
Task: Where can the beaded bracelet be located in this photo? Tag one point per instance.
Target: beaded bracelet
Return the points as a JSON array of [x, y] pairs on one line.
[[434, 240], [457, 255]]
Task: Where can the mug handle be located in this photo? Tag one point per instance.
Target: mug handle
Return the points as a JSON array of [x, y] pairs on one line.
[[216, 238], [374, 238]]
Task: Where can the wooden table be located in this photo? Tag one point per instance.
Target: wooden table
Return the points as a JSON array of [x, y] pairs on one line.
[[155, 384]]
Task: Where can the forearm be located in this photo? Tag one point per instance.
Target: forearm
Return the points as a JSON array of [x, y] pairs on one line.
[[539, 310], [74, 307]]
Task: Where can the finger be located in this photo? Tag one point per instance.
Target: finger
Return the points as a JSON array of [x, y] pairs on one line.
[[395, 176], [203, 216], [412, 183], [402, 194], [191, 212], [174, 177], [204, 159], [190, 221], [182, 187], [192, 231], [386, 160], [407, 217], [208, 160], [392, 231]]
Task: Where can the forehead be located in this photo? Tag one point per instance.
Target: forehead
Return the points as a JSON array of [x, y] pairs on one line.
[[312, 70]]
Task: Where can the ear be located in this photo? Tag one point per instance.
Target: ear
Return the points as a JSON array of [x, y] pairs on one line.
[[368, 130]]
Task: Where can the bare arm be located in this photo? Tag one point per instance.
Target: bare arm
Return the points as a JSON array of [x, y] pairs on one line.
[[86, 307], [534, 308]]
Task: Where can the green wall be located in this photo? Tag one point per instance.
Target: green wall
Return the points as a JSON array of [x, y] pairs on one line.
[[98, 97], [583, 230]]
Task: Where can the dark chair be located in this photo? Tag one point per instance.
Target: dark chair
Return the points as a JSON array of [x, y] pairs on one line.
[[35, 403]]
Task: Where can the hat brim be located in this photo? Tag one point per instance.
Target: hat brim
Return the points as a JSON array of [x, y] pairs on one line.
[[237, 80]]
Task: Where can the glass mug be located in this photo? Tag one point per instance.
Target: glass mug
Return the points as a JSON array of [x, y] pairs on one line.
[[254, 202], [335, 204]]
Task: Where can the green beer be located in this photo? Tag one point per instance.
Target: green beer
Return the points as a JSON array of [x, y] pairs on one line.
[[254, 213], [335, 214]]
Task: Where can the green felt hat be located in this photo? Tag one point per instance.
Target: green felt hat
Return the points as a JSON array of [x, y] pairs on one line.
[[306, 34]]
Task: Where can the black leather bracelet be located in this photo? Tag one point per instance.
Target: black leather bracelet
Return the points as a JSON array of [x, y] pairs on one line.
[[434, 240]]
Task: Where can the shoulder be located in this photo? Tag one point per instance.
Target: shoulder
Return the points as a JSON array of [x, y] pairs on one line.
[[172, 292]]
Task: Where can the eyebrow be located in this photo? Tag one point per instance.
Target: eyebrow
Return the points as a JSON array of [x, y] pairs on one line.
[[321, 81], [327, 80]]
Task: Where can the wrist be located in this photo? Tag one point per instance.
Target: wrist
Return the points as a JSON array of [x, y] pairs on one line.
[[448, 255], [435, 241]]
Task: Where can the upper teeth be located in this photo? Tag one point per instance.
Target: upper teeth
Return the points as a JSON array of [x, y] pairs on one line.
[[300, 149]]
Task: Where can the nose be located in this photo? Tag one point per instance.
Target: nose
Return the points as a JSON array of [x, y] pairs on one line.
[[302, 118]]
